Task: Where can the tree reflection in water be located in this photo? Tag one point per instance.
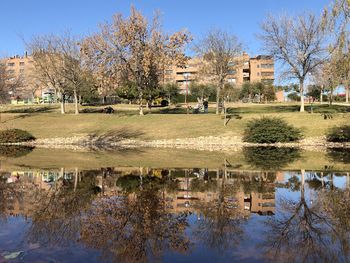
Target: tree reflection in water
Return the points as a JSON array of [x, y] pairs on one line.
[[131, 215], [220, 225], [56, 220], [136, 227], [304, 231]]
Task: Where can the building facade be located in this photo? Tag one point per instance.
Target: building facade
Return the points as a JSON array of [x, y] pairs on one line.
[[20, 68], [243, 69]]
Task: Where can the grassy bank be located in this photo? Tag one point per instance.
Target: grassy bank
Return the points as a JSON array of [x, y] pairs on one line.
[[165, 158], [165, 123]]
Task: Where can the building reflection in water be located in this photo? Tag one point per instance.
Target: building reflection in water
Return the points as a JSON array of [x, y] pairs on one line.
[[145, 211]]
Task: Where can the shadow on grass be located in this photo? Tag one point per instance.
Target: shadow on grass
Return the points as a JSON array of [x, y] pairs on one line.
[[109, 141], [31, 110], [289, 108], [18, 117]]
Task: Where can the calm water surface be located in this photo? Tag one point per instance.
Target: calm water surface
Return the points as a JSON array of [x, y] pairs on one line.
[[181, 214]]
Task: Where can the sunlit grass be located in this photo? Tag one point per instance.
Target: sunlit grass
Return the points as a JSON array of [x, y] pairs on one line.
[[48, 122]]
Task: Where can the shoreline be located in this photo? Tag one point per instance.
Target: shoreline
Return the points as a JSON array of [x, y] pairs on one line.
[[210, 143]]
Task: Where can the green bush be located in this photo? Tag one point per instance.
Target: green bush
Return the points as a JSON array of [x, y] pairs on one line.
[[339, 134], [270, 130], [15, 135]]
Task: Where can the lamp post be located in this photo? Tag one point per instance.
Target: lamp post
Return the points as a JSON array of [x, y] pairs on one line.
[[186, 86]]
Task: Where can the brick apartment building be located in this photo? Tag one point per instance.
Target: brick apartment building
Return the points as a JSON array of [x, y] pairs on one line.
[[244, 69]]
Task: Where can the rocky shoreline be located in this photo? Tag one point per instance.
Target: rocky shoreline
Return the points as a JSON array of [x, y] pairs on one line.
[[211, 143]]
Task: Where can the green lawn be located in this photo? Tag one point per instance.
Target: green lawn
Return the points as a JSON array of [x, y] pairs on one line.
[[46, 121], [160, 158]]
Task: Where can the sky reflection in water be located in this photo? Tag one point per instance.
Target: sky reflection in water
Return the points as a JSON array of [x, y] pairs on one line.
[[128, 214]]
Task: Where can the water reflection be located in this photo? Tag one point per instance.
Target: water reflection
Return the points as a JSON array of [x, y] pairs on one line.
[[270, 158], [14, 151], [121, 214]]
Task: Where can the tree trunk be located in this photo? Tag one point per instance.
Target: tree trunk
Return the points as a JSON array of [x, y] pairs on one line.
[[330, 97], [76, 179], [347, 94], [302, 107], [225, 116], [63, 106], [76, 102], [140, 105], [217, 98], [302, 188], [321, 96]]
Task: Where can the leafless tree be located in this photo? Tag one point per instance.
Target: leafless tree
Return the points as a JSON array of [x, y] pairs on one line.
[[298, 42], [219, 49], [58, 64]]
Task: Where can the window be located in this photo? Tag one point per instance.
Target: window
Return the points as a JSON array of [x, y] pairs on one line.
[[258, 73], [231, 80], [12, 64], [10, 71], [186, 74], [231, 64], [21, 70], [258, 66], [267, 65], [21, 64], [168, 72], [267, 74], [246, 63], [232, 72]]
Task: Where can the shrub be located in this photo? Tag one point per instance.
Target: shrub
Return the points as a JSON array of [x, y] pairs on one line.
[[339, 134], [15, 135], [270, 130]]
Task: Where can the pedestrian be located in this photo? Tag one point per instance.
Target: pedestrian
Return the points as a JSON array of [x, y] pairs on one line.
[[205, 105]]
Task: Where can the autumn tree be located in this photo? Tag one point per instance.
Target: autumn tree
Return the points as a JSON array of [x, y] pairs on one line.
[[134, 49], [219, 50], [136, 226], [298, 42]]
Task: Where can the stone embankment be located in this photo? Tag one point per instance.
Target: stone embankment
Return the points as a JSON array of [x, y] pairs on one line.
[[212, 143]]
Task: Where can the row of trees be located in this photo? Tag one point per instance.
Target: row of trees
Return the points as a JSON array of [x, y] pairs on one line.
[[129, 55], [310, 45]]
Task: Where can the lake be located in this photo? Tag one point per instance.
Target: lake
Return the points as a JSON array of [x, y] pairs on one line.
[[173, 205]]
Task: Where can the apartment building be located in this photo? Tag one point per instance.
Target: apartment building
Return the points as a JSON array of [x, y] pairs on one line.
[[20, 67], [243, 69]]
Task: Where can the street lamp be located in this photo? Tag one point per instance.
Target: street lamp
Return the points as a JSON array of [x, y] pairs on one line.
[[186, 86]]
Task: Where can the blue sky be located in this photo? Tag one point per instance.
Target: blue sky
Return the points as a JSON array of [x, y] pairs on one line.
[[25, 18]]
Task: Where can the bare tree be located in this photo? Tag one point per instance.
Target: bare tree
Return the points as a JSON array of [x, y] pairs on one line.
[[47, 64], [58, 64], [298, 42], [132, 49], [218, 49], [336, 20]]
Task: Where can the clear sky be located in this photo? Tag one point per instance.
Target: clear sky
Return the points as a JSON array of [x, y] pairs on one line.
[[25, 18]]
